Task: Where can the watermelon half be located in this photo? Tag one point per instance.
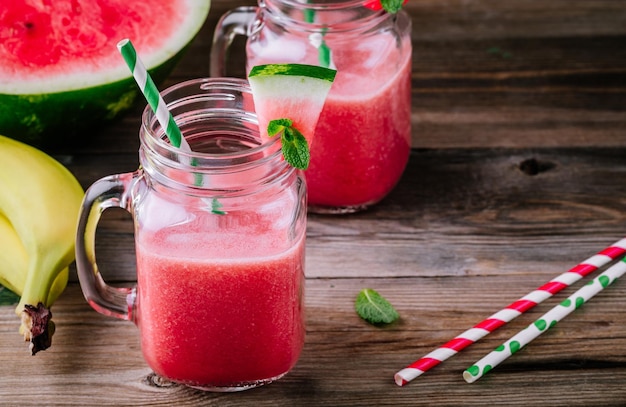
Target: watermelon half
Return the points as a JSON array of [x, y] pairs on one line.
[[60, 72]]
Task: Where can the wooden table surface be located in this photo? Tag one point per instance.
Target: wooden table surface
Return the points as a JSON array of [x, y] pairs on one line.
[[470, 228]]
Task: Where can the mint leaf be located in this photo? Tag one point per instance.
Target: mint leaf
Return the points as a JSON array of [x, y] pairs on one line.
[[373, 308], [294, 145], [392, 6], [276, 126], [295, 148]]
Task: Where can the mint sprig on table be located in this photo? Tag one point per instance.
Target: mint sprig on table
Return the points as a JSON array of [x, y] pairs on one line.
[[373, 308], [294, 145]]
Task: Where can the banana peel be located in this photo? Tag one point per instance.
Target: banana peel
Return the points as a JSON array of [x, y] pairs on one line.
[[40, 202], [13, 258]]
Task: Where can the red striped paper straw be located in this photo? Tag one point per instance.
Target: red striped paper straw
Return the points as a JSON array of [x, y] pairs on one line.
[[509, 313]]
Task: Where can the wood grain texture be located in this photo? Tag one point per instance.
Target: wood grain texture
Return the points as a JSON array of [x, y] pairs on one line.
[[518, 173]]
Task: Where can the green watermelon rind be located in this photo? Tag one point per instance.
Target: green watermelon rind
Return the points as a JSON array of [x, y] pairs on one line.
[[290, 82], [60, 116], [52, 118], [310, 71]]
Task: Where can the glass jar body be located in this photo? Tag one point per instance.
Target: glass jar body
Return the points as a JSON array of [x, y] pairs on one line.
[[362, 140], [220, 255], [219, 241]]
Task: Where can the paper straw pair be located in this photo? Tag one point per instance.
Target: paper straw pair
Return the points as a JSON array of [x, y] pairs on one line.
[[510, 312], [545, 322]]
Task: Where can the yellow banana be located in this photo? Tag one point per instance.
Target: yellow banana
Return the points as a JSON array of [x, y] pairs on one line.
[[40, 199], [13, 258], [14, 263], [58, 286]]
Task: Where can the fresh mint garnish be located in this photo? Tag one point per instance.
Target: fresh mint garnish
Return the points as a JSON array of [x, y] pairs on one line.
[[373, 308], [276, 126], [294, 145], [392, 6]]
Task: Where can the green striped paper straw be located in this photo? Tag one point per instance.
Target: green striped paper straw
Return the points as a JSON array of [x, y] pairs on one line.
[[545, 322], [151, 93]]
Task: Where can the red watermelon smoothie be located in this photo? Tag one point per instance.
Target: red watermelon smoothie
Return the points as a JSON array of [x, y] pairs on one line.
[[214, 309], [362, 140]]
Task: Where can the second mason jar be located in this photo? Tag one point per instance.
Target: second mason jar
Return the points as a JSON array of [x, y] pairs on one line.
[[362, 141]]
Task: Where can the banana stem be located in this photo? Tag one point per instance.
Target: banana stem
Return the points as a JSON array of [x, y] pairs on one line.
[[37, 326]]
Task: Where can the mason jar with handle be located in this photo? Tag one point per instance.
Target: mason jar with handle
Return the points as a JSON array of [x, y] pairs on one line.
[[219, 241], [362, 141]]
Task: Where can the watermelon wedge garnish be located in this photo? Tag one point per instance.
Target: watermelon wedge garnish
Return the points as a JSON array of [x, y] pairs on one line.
[[288, 99]]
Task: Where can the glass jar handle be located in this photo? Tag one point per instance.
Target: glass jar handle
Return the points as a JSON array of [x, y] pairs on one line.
[[238, 21], [108, 192]]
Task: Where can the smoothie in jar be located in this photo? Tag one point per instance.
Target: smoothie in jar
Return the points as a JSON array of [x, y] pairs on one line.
[[214, 309], [219, 231], [362, 140], [363, 137]]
